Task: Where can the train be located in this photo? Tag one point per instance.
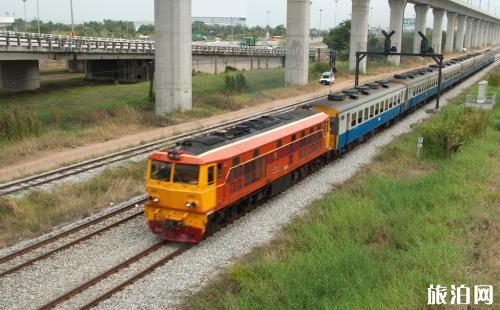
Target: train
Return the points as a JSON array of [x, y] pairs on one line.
[[205, 181]]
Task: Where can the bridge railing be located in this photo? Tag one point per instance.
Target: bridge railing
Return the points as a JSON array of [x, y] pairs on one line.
[[31, 42]]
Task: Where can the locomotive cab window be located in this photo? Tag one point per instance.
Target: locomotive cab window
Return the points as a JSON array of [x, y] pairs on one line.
[[160, 171], [187, 174], [279, 143]]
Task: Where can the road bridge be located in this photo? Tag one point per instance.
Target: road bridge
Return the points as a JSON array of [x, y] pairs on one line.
[[115, 59]]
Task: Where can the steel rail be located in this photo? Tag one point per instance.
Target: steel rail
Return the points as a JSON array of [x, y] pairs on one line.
[[70, 244], [127, 207]]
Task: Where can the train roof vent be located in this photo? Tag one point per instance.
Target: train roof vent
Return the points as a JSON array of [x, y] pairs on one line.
[[336, 96], [411, 75], [383, 83], [352, 93], [365, 90], [233, 133], [422, 72], [373, 85], [206, 140], [261, 122], [430, 70], [400, 76]]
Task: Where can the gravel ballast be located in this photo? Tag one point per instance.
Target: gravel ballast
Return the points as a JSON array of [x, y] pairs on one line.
[[190, 271]]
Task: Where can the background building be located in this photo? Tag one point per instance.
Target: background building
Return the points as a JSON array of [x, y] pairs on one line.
[[5, 22]]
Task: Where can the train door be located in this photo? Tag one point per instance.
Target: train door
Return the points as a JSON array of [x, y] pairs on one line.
[[347, 129]]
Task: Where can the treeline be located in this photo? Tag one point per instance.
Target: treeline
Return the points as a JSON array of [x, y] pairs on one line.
[[106, 28], [339, 39]]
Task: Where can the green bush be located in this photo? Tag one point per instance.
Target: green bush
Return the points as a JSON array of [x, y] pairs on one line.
[[234, 83], [494, 78], [452, 129], [319, 67], [16, 124]]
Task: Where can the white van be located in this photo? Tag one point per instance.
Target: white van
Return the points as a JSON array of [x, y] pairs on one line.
[[327, 78]]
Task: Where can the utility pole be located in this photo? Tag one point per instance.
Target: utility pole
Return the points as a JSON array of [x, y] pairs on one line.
[[320, 12], [25, 17], [336, 9], [38, 13], [268, 34], [72, 17]]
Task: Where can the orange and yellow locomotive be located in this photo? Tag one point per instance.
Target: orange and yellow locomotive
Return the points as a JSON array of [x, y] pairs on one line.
[[204, 181]]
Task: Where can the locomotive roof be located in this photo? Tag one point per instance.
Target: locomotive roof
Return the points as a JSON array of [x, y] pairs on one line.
[[202, 144], [350, 103]]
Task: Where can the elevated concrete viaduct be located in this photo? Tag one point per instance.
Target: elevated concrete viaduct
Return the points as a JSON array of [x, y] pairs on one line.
[[467, 26]]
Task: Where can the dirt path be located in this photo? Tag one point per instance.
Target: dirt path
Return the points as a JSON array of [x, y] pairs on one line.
[[53, 160]]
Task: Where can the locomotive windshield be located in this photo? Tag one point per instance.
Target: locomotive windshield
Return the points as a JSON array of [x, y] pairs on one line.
[[186, 174], [160, 170]]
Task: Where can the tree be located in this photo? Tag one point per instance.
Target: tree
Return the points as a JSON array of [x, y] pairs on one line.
[[339, 39]]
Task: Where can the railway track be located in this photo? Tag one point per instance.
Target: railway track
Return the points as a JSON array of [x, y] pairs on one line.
[[69, 233], [16, 186]]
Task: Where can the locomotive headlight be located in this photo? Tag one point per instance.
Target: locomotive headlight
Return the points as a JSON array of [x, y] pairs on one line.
[[154, 199], [190, 204]]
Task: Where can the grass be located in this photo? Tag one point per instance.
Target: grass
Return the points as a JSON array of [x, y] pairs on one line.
[[40, 211], [382, 238]]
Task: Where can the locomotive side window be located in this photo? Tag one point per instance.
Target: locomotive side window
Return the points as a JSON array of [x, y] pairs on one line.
[[318, 128], [186, 174], [366, 114], [376, 109], [211, 176], [279, 143], [219, 171], [360, 117], [371, 111], [160, 171], [294, 137], [236, 161], [303, 134], [256, 153], [353, 120]]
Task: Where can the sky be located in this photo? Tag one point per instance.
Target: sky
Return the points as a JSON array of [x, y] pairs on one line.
[[253, 10]]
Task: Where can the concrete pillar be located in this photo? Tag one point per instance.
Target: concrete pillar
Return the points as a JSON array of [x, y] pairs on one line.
[[420, 24], [173, 55], [19, 75], [359, 32], [396, 24], [459, 42], [468, 32], [437, 30], [475, 33], [450, 32], [480, 34], [297, 42], [491, 33], [495, 34], [486, 34]]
